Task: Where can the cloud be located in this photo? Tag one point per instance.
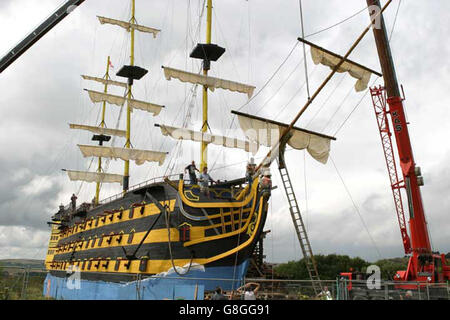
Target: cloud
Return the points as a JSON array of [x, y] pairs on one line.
[[42, 92]]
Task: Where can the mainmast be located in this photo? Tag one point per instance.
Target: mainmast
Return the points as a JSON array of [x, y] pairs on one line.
[[206, 67], [126, 172], [207, 52]]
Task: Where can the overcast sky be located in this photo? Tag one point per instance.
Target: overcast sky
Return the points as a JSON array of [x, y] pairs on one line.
[[42, 92]]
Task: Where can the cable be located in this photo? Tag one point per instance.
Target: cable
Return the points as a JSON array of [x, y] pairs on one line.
[[327, 99], [356, 106], [270, 79], [376, 79], [356, 207], [336, 24], [294, 95], [338, 108], [276, 91]]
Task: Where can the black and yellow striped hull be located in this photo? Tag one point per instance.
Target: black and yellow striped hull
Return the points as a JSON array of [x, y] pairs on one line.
[[131, 238]]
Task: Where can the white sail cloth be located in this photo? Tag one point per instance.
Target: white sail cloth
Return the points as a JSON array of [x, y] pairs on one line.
[[210, 82], [94, 177], [99, 130], [105, 81], [138, 156], [120, 101], [127, 25], [268, 134], [186, 134], [363, 76]]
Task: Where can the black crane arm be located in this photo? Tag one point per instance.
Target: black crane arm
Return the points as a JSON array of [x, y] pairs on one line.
[[60, 13]]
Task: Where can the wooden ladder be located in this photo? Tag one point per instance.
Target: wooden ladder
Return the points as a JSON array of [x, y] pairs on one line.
[[300, 229]]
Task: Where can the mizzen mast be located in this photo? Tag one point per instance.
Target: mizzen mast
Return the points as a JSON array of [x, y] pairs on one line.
[[102, 125]]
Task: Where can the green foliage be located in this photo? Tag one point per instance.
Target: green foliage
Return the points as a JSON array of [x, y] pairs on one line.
[[390, 266], [330, 266]]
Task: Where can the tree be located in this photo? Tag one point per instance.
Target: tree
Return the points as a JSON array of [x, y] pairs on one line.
[[329, 267], [389, 267]]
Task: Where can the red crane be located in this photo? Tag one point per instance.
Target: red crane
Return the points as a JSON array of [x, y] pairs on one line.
[[424, 264]]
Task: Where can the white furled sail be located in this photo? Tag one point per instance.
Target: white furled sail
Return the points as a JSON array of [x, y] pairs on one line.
[[94, 177], [363, 76], [99, 130], [136, 155], [210, 82], [127, 25], [105, 81], [186, 134], [120, 101], [268, 132]]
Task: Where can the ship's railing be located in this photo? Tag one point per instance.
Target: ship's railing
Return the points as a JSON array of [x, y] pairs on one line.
[[138, 186], [68, 207]]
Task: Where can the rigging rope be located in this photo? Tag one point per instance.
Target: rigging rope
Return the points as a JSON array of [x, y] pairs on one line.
[[271, 77], [294, 95], [356, 207], [336, 24], [327, 99], [304, 49], [167, 216], [282, 85]]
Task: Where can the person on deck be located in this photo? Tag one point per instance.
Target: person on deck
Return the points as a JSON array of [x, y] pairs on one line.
[[251, 166], [191, 170], [73, 201], [266, 182], [204, 179]]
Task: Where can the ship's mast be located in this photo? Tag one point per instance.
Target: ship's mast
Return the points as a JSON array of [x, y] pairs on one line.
[[128, 142], [206, 67], [102, 125]]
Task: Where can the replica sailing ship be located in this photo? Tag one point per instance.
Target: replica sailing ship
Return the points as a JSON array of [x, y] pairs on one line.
[[167, 233]]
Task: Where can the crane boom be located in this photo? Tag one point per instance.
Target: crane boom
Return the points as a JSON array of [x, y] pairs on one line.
[[60, 13], [424, 263]]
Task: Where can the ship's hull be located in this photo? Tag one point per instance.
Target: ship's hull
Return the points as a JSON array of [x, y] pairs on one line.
[[195, 244]]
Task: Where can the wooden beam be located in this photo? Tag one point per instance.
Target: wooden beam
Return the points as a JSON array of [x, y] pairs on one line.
[[281, 124], [338, 56]]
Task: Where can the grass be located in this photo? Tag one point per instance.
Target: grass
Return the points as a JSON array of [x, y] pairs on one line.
[[11, 287]]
